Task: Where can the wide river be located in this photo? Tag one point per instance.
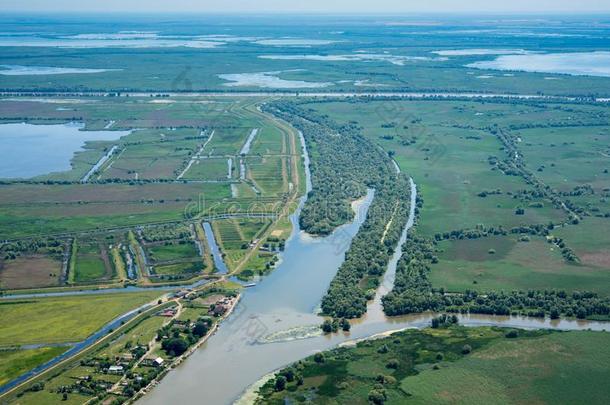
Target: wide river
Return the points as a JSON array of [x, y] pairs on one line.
[[275, 322]]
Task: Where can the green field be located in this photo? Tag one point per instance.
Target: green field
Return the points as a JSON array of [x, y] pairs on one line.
[[455, 365], [229, 140], [268, 174], [458, 154], [235, 237], [188, 268], [25, 209], [445, 147], [514, 265], [208, 169], [91, 263], [13, 363], [558, 368], [63, 319], [173, 251]]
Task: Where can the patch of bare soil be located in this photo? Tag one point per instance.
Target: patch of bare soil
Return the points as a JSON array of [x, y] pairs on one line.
[[30, 272]]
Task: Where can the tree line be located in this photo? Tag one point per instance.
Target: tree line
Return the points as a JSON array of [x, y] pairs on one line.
[[344, 164]]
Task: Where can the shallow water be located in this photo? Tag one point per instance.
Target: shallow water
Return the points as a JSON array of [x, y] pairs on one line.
[[577, 63], [297, 42], [399, 60], [32, 150], [246, 148], [19, 70], [268, 80], [481, 51], [85, 43]]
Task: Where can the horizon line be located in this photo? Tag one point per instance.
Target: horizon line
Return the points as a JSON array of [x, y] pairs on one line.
[[388, 13]]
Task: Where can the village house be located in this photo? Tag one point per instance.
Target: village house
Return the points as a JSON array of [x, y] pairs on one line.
[[115, 370]]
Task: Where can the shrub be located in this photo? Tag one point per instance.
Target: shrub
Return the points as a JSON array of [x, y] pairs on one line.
[[393, 364]]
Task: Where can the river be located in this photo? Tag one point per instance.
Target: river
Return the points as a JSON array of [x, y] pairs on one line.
[[275, 322]]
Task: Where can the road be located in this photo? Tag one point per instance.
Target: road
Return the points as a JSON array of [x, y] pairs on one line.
[[406, 94]]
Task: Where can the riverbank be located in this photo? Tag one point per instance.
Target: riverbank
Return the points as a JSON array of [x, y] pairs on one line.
[[119, 342], [178, 360]]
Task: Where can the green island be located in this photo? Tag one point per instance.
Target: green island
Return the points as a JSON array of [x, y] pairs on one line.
[[452, 365]]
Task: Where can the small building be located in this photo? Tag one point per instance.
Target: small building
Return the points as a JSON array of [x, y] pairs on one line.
[[180, 294], [219, 310], [158, 362], [115, 370], [168, 313]]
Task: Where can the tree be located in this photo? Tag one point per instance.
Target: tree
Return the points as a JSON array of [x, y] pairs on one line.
[[200, 329], [289, 374], [554, 313], [175, 345], [327, 326], [466, 349], [319, 357], [280, 383], [377, 396]]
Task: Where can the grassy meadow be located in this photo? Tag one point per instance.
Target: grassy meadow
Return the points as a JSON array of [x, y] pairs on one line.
[[447, 146], [13, 363], [455, 365], [63, 319]]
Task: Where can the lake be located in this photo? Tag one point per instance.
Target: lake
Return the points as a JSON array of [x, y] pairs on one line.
[[33, 150], [576, 63]]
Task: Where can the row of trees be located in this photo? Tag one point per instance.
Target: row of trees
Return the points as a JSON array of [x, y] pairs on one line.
[[413, 293]]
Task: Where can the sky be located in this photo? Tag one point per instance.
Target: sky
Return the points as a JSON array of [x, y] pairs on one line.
[[312, 6]]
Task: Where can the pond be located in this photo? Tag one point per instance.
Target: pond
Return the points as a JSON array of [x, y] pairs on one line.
[[33, 150]]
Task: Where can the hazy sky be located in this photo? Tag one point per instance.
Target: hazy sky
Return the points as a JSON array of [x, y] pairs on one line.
[[330, 6]]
